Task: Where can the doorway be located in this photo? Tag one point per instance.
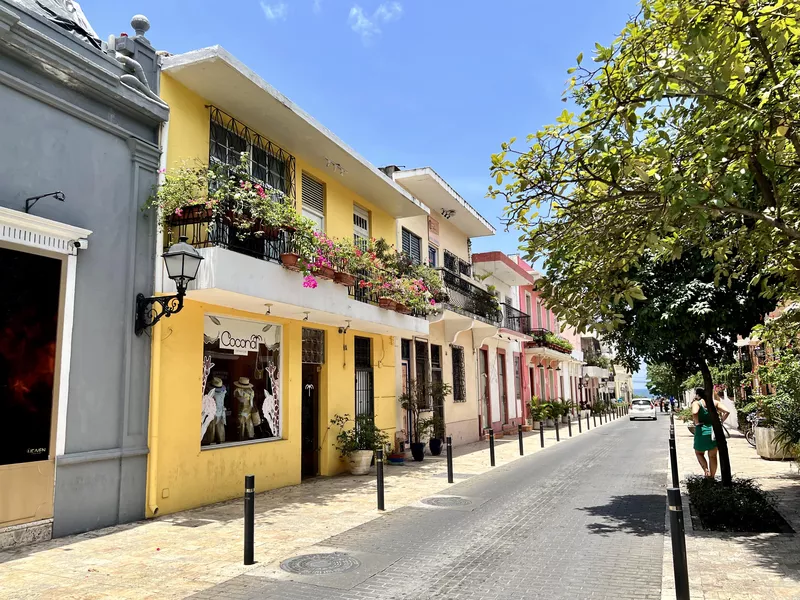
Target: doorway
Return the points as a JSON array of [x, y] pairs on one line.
[[483, 388], [310, 419], [365, 394], [503, 387]]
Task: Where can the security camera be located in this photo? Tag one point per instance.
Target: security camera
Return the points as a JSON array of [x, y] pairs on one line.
[[80, 244]]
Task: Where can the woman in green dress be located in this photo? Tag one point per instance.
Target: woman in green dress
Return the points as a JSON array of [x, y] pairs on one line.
[[703, 432]]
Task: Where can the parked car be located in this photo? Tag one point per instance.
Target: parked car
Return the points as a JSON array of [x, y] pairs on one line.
[[643, 408]]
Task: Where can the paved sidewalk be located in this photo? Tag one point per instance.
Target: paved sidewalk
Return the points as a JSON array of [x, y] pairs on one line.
[[180, 554], [726, 566]]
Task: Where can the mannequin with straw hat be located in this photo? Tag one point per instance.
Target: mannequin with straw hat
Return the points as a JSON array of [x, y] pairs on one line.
[[248, 421]]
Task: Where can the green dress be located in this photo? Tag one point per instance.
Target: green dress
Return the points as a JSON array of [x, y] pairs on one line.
[[703, 441]]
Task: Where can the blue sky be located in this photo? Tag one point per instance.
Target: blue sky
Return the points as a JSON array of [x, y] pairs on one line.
[[437, 83]]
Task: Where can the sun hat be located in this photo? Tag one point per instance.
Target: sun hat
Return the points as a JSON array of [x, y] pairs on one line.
[[216, 382], [244, 382]]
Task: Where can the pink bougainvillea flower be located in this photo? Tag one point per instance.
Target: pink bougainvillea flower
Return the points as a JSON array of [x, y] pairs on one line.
[[433, 302], [179, 212], [309, 282]]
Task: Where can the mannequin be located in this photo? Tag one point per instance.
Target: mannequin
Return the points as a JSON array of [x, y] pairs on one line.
[[247, 419], [216, 429]]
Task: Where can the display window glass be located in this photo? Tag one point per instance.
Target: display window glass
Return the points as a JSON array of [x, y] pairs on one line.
[[28, 335], [241, 381]]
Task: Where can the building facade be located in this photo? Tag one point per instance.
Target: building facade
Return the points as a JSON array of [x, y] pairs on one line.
[[75, 248]]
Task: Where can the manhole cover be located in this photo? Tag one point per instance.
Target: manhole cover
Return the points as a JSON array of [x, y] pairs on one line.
[[320, 564], [446, 501]]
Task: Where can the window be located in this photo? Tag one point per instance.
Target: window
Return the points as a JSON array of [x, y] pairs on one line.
[[528, 304], [405, 360], [313, 194], [365, 393], [547, 312], [539, 314], [459, 378], [412, 246], [241, 381], [436, 364], [360, 226], [421, 367], [433, 256], [313, 346], [28, 334], [267, 163]]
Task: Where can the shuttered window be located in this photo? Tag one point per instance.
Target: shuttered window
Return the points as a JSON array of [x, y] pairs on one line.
[[313, 196], [412, 246], [360, 226]]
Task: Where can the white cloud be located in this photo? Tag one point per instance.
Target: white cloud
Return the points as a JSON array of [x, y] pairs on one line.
[[274, 12], [317, 7], [369, 26]]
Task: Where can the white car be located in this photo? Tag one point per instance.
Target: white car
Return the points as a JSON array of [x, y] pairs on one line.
[[642, 408]]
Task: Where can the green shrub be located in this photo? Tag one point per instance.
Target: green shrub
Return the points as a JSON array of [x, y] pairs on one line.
[[685, 415], [743, 506]]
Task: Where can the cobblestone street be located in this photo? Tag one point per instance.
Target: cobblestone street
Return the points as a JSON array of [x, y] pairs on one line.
[[582, 520]]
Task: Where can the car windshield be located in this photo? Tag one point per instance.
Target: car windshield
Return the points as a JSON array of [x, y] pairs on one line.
[[642, 402]]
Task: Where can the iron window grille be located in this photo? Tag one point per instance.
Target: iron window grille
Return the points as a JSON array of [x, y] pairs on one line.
[[459, 377], [313, 346], [421, 364], [363, 352], [268, 163], [364, 384], [456, 265]]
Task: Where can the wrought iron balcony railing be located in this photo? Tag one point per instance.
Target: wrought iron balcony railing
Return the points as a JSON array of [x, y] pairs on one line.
[[516, 320], [464, 297], [456, 265], [540, 340]]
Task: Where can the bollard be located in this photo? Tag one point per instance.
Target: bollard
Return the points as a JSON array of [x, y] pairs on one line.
[[491, 446], [673, 461], [249, 517], [580, 427], [379, 469], [594, 419], [588, 428], [569, 425], [558, 439], [449, 459], [541, 433], [678, 535], [519, 433]]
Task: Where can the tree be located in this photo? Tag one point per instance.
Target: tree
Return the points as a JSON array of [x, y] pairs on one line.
[[690, 117], [663, 380], [684, 320]]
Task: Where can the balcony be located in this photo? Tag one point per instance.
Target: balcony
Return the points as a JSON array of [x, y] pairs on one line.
[[546, 343], [455, 265], [242, 269], [516, 320], [470, 300]]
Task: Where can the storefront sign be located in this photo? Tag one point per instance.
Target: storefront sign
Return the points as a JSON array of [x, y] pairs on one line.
[[240, 345], [433, 231]]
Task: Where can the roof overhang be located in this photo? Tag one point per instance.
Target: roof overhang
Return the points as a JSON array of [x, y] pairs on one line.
[[437, 194], [501, 267], [218, 77]]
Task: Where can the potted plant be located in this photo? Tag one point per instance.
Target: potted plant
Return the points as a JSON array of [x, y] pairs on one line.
[[358, 442], [536, 412], [346, 261], [436, 424], [417, 400], [548, 414], [183, 197], [565, 410], [398, 454]]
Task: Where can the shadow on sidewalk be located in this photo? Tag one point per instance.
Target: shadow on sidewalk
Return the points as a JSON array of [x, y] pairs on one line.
[[641, 515]]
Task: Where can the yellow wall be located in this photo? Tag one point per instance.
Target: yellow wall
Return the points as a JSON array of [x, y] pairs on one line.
[[191, 477]]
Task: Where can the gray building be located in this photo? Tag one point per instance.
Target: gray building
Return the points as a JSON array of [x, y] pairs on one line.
[[80, 125]]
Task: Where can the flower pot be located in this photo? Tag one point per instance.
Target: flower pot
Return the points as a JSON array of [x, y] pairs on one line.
[[324, 272], [192, 214], [537, 425], [418, 451], [344, 279], [767, 447], [360, 461], [387, 303], [290, 260], [549, 423], [565, 419], [396, 458], [436, 446], [526, 428], [402, 308]]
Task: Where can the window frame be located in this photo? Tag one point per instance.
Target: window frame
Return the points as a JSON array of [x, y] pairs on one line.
[[418, 259], [313, 211], [433, 251]]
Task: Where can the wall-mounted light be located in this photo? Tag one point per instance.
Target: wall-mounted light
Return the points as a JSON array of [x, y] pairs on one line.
[[269, 309], [182, 261], [31, 202], [344, 330], [335, 166]]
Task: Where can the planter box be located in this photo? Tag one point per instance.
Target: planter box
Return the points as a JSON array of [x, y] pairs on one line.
[[526, 428], [360, 461], [767, 447], [537, 425], [344, 279]]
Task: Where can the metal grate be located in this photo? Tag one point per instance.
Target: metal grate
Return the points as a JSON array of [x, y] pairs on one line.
[[459, 377], [313, 194], [516, 320], [365, 395], [313, 346], [363, 351], [268, 163]]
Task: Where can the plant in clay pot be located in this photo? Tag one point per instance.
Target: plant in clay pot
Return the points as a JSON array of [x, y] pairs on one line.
[[419, 400], [537, 412], [357, 442], [437, 434], [183, 196]]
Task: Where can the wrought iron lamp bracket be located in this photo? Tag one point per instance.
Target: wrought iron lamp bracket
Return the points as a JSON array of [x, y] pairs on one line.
[[150, 311]]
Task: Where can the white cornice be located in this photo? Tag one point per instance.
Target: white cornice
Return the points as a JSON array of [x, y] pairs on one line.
[[29, 230]]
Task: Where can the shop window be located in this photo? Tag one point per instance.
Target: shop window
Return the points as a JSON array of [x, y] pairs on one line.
[[28, 332], [241, 381]]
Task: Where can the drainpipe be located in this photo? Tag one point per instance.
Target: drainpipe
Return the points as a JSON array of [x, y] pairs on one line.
[[155, 401]]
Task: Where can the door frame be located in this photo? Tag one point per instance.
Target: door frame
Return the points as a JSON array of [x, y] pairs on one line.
[[315, 416], [502, 386], [486, 400]]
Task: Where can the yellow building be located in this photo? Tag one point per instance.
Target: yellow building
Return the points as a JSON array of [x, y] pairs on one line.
[[271, 362]]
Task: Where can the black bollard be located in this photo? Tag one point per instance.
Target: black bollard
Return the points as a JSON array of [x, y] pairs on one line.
[[249, 517], [379, 469], [678, 535], [541, 432], [594, 419], [558, 439], [580, 427], [519, 433], [569, 425], [449, 459], [491, 446], [673, 461], [588, 427]]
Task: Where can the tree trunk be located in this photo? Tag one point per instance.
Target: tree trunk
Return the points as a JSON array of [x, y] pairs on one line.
[[719, 433]]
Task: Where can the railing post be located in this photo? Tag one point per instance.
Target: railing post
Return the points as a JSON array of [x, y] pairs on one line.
[[569, 424], [379, 469], [249, 518], [541, 432], [491, 447], [678, 535], [449, 459], [519, 433]]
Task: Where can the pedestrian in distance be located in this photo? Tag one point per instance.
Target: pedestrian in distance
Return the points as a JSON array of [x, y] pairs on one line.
[[704, 433]]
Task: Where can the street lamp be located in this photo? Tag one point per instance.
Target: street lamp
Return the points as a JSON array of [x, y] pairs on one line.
[[182, 261]]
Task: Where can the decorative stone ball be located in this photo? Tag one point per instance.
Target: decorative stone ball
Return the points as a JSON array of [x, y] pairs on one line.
[[140, 24]]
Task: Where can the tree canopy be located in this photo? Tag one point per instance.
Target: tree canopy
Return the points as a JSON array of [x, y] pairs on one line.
[[663, 380], [686, 128]]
